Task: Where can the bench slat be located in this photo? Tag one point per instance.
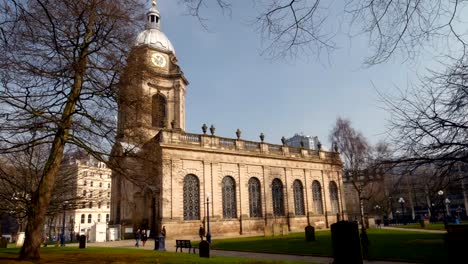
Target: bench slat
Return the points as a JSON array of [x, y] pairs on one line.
[[184, 244]]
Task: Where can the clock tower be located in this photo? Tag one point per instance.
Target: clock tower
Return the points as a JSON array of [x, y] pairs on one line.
[[152, 88]]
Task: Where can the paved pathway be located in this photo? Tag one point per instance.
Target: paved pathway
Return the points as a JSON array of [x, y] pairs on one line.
[[170, 246], [415, 229]]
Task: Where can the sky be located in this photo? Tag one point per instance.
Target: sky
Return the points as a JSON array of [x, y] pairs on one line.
[[233, 86]]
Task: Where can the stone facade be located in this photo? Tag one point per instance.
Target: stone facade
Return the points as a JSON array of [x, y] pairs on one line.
[[90, 196], [164, 176]]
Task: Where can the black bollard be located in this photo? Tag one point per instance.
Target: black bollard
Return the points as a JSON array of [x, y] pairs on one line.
[[310, 233]]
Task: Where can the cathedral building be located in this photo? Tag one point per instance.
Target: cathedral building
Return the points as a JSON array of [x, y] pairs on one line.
[[165, 176]]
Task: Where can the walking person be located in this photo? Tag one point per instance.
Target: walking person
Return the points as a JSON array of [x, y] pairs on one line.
[[163, 231], [144, 237], [201, 232], [137, 238]]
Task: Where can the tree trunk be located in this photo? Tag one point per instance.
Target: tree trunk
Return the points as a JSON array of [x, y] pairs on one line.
[[361, 212], [41, 198]]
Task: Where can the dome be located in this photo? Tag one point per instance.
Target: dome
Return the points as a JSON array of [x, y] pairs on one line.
[[152, 35], [154, 38]]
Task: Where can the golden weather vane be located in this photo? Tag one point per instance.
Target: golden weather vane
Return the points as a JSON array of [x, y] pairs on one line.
[[153, 2]]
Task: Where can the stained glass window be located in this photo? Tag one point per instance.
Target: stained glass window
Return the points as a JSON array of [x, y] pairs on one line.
[[334, 198], [298, 198], [278, 197], [255, 198], [191, 198], [317, 197], [158, 110], [229, 197]]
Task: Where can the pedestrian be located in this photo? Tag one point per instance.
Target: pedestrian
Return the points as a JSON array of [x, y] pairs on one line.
[[365, 244], [144, 237], [46, 240], [137, 238], [163, 232], [201, 232]]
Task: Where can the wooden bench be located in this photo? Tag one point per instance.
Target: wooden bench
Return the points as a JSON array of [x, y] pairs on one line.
[[184, 244]]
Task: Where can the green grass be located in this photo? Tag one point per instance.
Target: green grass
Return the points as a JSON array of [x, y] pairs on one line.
[[393, 245], [118, 255], [390, 245]]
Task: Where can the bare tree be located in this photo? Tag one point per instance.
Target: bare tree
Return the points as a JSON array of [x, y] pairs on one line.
[[356, 155], [299, 27], [428, 123], [20, 174], [59, 63]]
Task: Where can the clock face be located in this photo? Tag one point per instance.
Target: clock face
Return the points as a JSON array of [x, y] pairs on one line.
[[158, 60]]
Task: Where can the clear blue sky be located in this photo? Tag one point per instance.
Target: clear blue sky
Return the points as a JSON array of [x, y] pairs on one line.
[[232, 86]]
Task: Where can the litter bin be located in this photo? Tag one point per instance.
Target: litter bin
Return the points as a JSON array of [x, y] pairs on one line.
[[82, 241], [346, 243], [204, 249], [160, 243]]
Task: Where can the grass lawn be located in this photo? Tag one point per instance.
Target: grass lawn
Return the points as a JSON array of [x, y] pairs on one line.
[[117, 255], [384, 245]]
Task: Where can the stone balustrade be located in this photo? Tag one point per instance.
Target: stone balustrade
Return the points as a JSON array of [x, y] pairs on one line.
[[239, 145]]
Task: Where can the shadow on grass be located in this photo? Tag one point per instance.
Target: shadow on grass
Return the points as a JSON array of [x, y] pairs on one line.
[[118, 255], [391, 245]]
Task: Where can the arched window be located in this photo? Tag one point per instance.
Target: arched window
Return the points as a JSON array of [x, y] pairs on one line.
[[255, 198], [90, 205], [99, 218], [229, 197], [298, 198], [83, 218], [107, 218], [158, 110], [99, 205], [89, 219], [191, 198], [84, 193], [278, 197], [317, 197], [334, 198]]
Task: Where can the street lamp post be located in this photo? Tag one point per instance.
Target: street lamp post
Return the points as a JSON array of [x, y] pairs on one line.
[[62, 237], [208, 234], [72, 228], [447, 203], [459, 210], [379, 213], [402, 203], [441, 193]]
